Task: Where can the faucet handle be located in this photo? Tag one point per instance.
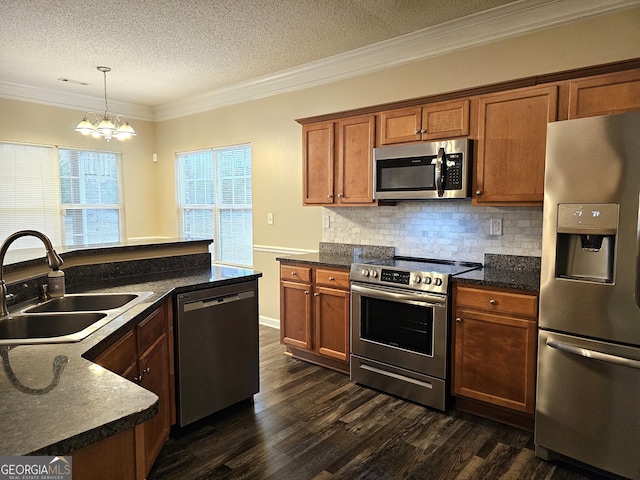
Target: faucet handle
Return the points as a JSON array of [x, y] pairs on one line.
[[44, 292]]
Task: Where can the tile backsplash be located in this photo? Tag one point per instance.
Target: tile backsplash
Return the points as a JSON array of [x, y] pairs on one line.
[[450, 229]]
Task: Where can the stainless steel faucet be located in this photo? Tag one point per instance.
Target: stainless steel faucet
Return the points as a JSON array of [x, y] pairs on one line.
[[53, 259]]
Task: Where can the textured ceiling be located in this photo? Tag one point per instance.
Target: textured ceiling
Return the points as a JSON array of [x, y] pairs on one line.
[[162, 51]]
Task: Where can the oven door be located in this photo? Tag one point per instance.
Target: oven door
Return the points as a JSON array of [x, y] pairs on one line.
[[400, 328]]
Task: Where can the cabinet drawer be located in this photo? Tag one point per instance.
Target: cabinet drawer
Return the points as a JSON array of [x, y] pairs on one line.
[[497, 301], [295, 274], [332, 278], [150, 329]]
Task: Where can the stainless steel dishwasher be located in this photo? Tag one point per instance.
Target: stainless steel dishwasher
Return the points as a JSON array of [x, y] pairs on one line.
[[216, 349]]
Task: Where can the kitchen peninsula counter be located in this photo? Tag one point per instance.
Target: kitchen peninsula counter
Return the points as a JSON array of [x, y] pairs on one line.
[[42, 415]]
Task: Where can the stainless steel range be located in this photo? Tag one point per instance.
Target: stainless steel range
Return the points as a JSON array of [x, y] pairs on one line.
[[400, 325]]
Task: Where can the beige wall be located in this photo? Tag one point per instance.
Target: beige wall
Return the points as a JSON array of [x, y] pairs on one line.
[[40, 124], [268, 124]]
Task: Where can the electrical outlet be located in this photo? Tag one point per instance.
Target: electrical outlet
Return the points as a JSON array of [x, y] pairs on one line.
[[327, 221], [270, 218], [495, 227]]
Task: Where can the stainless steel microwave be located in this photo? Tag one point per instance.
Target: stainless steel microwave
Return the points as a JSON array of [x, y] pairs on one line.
[[429, 170]]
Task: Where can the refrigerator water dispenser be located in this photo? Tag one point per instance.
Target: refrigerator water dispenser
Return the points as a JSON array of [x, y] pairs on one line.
[[586, 239]]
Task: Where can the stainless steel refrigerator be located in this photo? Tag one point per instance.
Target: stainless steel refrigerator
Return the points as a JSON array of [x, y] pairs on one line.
[[588, 390]]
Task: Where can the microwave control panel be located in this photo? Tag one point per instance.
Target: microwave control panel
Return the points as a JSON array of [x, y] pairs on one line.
[[453, 171]]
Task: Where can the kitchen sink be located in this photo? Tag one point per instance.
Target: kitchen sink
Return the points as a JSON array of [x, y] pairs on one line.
[[90, 302], [39, 326], [66, 319]]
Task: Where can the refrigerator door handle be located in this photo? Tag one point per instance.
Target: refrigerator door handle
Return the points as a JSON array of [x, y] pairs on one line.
[[585, 352]]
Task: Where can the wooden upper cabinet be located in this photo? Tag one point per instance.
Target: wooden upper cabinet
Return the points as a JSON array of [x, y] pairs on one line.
[[510, 155], [339, 171], [356, 138], [319, 163], [605, 94], [428, 122]]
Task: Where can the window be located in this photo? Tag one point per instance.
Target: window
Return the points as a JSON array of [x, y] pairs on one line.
[[90, 197], [215, 201], [74, 199]]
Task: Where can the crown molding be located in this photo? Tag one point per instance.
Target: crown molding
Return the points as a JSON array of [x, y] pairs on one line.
[[511, 20], [500, 23], [74, 101]]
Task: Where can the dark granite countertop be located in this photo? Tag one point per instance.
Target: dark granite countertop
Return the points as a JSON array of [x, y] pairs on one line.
[[502, 277], [504, 271], [340, 255], [321, 260], [88, 403]]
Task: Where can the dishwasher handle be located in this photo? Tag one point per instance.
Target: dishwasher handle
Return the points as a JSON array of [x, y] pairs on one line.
[[217, 301]]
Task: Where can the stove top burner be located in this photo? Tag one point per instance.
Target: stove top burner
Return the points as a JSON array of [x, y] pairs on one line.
[[423, 274]]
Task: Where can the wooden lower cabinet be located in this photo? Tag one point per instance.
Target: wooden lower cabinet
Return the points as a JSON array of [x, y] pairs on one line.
[[314, 314], [110, 458], [494, 353], [144, 355]]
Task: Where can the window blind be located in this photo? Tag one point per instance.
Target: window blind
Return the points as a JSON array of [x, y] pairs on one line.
[[29, 193]]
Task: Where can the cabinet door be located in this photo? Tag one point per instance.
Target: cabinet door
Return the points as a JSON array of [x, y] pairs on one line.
[[332, 322], [494, 359], [319, 163], [356, 137], [512, 145], [445, 120], [295, 314], [153, 371], [112, 457], [400, 126], [121, 357], [605, 94]]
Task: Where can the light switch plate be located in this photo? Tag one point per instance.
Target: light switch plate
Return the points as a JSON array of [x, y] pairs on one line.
[[270, 218], [495, 227]]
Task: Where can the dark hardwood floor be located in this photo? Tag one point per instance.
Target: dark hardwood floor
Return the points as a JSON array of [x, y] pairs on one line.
[[309, 422]]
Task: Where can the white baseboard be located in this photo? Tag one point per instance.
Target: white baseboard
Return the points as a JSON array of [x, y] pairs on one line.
[[269, 322]]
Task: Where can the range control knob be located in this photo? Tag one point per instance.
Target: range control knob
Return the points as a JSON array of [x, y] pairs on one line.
[[437, 282], [365, 272], [374, 274], [417, 279], [427, 280]]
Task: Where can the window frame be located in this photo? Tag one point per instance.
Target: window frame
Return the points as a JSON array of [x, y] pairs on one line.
[[215, 207]]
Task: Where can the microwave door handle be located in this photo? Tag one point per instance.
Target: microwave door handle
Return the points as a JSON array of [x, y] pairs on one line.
[[440, 161]]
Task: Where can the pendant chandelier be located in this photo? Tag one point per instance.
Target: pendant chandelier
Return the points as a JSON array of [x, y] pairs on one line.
[[102, 125]]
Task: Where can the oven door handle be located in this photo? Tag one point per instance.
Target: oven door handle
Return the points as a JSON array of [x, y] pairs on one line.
[[422, 299]]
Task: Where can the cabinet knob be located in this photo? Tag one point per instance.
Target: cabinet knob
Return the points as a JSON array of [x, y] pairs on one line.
[[331, 279], [340, 195], [417, 132], [137, 379], [478, 192], [459, 320], [293, 274], [316, 294], [147, 370], [493, 302], [423, 131], [306, 292], [330, 195]]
